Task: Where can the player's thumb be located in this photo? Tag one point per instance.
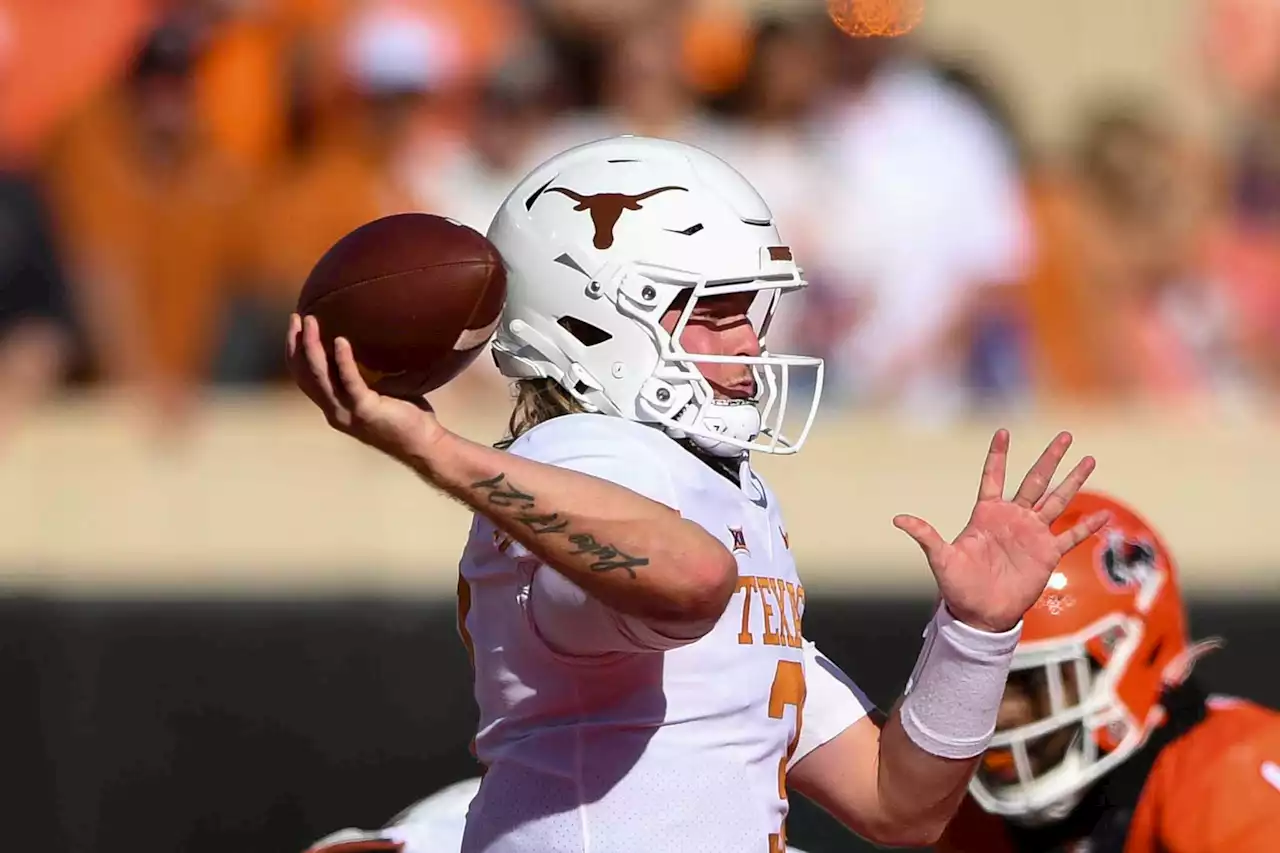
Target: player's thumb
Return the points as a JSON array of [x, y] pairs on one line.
[[924, 534]]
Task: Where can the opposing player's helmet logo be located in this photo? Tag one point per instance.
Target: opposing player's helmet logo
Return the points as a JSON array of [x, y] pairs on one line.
[[1128, 562], [606, 209]]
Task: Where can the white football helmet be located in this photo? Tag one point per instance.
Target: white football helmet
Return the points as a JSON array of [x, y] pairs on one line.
[[599, 242]]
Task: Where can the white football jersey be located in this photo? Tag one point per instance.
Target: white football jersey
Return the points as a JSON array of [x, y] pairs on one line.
[[431, 825], [680, 751]]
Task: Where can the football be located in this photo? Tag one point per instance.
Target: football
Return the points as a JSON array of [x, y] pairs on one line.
[[417, 295]]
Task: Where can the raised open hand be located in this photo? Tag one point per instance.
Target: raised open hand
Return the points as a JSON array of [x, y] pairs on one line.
[[400, 428], [999, 564]]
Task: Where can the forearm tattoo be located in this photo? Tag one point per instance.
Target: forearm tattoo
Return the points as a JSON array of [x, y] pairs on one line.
[[501, 492]]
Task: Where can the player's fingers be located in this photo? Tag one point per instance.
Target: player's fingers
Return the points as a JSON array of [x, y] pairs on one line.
[[1041, 474], [924, 534], [1081, 530], [991, 486], [1053, 505], [353, 387], [296, 356], [291, 338], [317, 372]]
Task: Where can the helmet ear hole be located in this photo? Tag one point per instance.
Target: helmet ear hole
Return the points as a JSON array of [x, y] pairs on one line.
[[681, 300], [588, 335]]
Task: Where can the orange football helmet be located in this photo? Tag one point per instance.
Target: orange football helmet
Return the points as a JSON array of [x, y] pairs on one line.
[[1106, 638]]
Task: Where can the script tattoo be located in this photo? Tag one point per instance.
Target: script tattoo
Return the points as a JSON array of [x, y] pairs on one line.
[[546, 523], [610, 558], [501, 492]]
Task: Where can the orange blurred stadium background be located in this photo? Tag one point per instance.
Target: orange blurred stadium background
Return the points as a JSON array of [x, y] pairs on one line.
[[1090, 224]]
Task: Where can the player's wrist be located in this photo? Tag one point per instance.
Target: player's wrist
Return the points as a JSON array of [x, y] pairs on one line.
[[428, 447], [952, 698], [980, 625]]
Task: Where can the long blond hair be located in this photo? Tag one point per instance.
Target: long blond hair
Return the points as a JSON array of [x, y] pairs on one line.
[[537, 401]]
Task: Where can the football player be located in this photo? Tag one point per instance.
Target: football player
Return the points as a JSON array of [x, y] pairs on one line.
[[628, 595], [1105, 742]]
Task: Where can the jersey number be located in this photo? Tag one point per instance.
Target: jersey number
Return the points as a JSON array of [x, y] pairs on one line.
[[788, 689]]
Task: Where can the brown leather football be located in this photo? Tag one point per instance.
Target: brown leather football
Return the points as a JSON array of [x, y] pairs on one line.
[[418, 296]]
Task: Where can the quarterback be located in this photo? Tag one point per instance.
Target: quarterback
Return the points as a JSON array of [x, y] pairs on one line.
[[628, 595], [1105, 742]]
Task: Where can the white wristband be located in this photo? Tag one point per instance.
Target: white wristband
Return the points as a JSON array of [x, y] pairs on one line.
[[951, 700]]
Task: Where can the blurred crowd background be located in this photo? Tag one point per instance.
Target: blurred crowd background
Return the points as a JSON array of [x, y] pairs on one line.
[[173, 168]]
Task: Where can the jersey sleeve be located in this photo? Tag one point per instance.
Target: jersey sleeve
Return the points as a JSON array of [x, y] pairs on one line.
[[832, 703], [575, 624], [569, 620]]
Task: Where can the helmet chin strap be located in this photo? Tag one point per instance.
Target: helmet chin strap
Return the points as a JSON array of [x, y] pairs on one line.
[[737, 419]]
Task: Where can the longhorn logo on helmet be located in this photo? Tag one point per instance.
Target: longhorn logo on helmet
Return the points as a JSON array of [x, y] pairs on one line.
[[606, 209]]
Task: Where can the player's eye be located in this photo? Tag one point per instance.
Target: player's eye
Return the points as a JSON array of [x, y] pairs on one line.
[[730, 306]]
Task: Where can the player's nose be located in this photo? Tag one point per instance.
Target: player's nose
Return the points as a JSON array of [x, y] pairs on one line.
[[745, 342]]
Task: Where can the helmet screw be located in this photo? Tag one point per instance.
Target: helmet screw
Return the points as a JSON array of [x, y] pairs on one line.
[[663, 395], [594, 288], [648, 294]]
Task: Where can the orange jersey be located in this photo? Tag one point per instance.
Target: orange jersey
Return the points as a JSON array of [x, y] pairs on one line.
[[1216, 789]]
